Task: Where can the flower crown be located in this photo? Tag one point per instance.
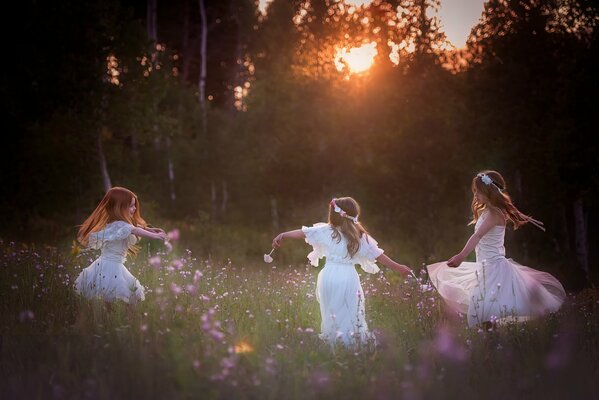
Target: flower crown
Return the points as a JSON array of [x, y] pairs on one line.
[[487, 180], [339, 211]]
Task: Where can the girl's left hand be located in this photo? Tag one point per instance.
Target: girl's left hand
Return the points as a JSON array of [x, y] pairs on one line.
[[455, 261]]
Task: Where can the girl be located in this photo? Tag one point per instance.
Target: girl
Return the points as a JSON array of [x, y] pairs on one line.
[[113, 227], [344, 242], [494, 289]]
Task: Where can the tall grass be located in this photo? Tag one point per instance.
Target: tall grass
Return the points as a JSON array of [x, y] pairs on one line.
[[212, 329]]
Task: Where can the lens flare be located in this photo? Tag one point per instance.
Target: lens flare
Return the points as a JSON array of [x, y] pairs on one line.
[[356, 59]]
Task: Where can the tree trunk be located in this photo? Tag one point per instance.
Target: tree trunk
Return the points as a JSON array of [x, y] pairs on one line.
[[274, 213], [203, 59], [582, 248], [103, 166], [171, 170], [225, 199], [151, 20], [186, 48], [213, 198]]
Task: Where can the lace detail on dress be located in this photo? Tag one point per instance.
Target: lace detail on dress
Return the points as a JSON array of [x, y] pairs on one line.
[[114, 231], [319, 236]]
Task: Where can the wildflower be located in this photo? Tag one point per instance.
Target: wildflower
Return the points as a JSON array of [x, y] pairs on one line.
[[175, 289], [155, 261], [27, 315], [173, 235], [445, 345], [191, 289]]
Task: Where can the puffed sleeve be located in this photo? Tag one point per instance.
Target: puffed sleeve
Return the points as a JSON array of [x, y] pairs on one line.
[[114, 231], [317, 236], [368, 253]]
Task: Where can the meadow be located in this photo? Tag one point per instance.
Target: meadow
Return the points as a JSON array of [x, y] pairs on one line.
[[216, 329]]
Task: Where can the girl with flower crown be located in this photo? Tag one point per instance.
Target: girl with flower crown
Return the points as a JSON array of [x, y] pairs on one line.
[[344, 242], [494, 289], [114, 227]]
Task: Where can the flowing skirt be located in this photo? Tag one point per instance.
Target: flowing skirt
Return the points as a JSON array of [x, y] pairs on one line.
[[109, 280], [497, 291], [341, 299]]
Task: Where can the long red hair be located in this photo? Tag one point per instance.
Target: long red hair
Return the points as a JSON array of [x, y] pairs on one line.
[[113, 207], [499, 199]]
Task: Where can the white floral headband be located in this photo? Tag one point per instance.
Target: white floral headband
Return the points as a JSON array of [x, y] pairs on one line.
[[339, 211], [488, 181]]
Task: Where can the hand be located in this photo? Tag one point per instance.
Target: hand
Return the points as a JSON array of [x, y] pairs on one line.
[[406, 270], [162, 236], [276, 242], [455, 261]]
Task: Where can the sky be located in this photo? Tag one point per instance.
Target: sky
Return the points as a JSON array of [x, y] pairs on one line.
[[457, 17]]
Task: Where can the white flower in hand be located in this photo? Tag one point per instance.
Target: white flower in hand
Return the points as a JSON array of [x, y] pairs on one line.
[[168, 245], [267, 257]]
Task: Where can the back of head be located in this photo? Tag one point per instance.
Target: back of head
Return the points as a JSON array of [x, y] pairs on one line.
[[345, 222], [491, 185]]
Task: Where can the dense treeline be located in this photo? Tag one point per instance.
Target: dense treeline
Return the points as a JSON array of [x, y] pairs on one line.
[[91, 99]]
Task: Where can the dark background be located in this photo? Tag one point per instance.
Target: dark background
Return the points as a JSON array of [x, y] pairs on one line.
[[405, 140]]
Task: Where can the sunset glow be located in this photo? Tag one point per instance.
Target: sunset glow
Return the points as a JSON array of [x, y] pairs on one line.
[[356, 59], [457, 17]]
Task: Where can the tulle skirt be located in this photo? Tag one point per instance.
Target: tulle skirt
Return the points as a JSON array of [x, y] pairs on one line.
[[341, 299], [497, 291], [109, 280]]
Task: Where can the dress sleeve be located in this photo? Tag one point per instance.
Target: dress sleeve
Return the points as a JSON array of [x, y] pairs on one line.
[[115, 231], [369, 251], [317, 236]]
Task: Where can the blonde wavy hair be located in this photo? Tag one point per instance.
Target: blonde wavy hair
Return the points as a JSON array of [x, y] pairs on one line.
[[343, 226]]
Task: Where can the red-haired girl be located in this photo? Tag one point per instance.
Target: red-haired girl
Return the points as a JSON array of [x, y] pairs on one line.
[[114, 227]]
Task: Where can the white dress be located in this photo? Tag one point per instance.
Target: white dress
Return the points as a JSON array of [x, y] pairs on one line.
[[495, 288], [338, 288], [107, 278]]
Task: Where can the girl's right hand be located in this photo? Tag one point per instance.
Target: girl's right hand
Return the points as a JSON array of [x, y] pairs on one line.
[[455, 261], [407, 270], [276, 242]]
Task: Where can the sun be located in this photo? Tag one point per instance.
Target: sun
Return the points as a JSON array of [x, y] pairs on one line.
[[356, 59]]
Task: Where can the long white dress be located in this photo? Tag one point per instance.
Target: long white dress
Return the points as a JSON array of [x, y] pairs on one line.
[[494, 288], [338, 288], [107, 277]]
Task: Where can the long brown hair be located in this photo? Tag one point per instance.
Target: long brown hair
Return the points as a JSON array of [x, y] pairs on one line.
[[113, 207], [498, 198], [350, 230]]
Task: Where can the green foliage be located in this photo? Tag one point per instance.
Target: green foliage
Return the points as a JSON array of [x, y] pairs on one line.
[[403, 140]]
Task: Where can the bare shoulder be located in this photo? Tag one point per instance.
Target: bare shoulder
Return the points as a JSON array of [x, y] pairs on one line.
[[496, 216]]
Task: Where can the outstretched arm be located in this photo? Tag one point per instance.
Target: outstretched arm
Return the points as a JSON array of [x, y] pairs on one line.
[[389, 263], [493, 219], [296, 234], [153, 229], [137, 231]]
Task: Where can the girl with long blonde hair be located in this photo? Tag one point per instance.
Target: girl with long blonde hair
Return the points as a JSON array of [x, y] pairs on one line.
[[114, 227], [344, 242], [494, 289]]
